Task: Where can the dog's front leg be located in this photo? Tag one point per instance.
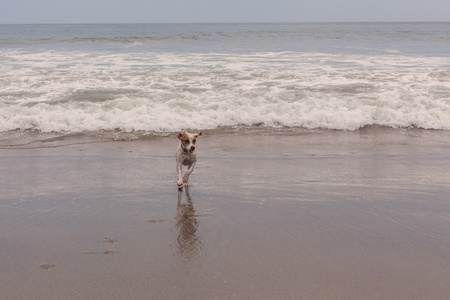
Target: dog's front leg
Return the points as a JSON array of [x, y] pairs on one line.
[[188, 172], [180, 178]]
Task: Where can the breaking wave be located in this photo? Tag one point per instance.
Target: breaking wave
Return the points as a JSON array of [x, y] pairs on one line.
[[74, 91]]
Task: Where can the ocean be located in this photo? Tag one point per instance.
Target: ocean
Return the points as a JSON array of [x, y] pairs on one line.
[[163, 78]]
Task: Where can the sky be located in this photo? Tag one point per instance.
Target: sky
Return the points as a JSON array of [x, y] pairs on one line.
[[221, 11]]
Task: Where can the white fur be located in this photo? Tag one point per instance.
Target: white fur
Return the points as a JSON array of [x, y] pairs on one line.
[[186, 156]]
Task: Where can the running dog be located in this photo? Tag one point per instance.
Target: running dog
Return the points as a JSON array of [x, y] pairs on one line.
[[186, 156]]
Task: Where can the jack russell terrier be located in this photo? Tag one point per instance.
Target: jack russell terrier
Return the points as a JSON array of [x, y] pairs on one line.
[[186, 156]]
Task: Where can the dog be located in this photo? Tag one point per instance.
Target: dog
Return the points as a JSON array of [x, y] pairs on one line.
[[186, 156]]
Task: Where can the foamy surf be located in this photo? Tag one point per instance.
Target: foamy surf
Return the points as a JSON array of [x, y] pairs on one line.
[[75, 91]]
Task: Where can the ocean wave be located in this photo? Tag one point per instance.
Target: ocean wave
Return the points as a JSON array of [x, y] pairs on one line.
[[118, 39], [57, 91]]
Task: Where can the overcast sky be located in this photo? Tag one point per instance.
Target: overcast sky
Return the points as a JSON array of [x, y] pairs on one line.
[[187, 11]]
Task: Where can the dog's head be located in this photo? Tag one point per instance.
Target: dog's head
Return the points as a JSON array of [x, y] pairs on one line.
[[188, 140]]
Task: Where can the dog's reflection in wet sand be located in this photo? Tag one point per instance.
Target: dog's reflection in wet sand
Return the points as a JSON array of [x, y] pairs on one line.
[[188, 242]]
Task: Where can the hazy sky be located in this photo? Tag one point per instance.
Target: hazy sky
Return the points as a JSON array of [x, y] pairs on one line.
[[180, 11]]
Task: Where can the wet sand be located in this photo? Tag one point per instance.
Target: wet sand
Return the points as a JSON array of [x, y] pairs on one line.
[[308, 215]]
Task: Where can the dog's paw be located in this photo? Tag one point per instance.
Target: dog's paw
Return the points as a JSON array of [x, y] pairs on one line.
[[180, 185]]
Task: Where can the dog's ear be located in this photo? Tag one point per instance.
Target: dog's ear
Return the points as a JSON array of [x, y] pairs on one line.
[[198, 133], [180, 135]]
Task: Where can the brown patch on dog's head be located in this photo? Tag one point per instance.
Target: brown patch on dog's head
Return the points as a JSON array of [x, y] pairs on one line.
[[184, 138], [197, 134]]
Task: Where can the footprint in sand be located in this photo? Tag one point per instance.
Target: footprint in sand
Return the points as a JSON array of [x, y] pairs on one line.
[[47, 267], [107, 252], [108, 240], [155, 221]]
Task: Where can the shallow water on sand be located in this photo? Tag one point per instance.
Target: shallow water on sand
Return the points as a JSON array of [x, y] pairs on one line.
[[323, 214]]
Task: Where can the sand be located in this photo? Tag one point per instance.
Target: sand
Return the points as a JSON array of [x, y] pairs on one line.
[[269, 215]]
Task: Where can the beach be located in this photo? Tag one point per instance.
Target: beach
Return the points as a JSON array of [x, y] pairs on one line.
[[270, 214], [322, 172]]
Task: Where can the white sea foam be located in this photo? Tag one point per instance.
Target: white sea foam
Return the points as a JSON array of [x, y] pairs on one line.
[[164, 92]]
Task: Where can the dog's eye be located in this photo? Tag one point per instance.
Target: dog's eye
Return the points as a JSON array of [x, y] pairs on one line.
[[186, 141], [193, 142]]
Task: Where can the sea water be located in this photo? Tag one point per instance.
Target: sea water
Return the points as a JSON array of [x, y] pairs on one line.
[[162, 78]]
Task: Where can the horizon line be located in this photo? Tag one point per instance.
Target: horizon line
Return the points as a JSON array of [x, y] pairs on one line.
[[230, 23]]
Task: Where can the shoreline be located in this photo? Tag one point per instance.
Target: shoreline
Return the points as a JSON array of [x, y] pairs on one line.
[[308, 214], [20, 139]]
